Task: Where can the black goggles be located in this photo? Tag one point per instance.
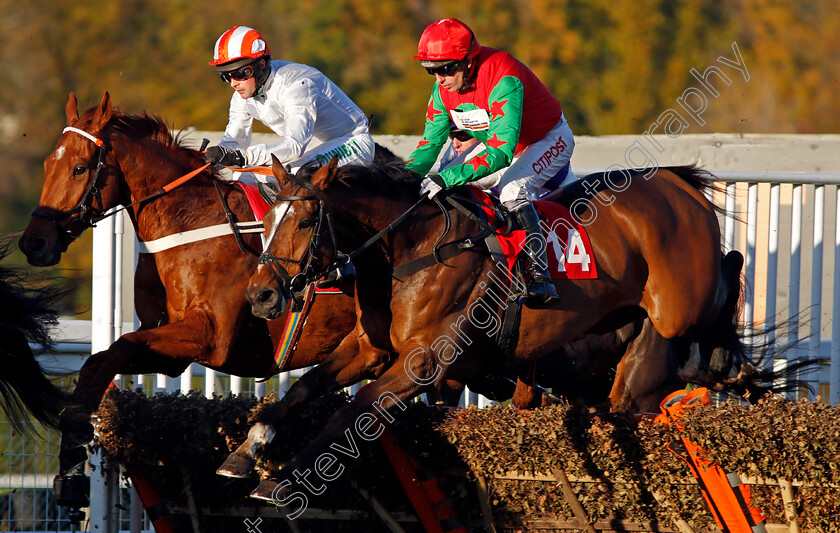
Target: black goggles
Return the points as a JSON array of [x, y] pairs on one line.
[[242, 73], [445, 70], [461, 135]]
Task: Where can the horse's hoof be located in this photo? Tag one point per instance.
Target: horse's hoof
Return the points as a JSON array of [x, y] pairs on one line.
[[239, 466], [71, 458], [268, 490], [549, 399]]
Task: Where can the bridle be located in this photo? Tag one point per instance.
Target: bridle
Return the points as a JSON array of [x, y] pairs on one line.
[[100, 213], [89, 215], [293, 285]]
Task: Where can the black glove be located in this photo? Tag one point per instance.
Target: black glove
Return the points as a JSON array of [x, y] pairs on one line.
[[230, 157]]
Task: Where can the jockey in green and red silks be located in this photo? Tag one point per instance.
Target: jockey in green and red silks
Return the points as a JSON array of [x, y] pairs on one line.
[[494, 97]]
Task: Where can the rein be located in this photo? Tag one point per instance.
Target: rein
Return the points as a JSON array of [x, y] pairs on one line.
[[441, 253], [293, 285]]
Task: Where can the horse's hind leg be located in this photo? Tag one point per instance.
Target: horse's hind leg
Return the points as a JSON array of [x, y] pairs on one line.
[[448, 393], [721, 343], [528, 394], [496, 388], [647, 372]]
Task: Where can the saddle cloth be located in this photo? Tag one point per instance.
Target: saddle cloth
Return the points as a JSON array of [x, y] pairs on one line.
[[570, 254], [255, 200]]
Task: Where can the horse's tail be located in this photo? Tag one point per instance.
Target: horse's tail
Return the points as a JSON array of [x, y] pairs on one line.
[[762, 376], [740, 362], [702, 180], [26, 315]]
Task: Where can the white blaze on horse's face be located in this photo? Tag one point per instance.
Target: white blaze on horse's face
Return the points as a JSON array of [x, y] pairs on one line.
[[278, 213]]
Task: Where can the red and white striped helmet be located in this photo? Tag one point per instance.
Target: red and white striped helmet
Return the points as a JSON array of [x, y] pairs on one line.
[[239, 44]]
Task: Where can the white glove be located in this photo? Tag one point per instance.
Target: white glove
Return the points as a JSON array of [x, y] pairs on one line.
[[427, 185]]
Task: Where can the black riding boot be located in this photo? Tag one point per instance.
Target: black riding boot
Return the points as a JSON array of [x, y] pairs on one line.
[[541, 288]]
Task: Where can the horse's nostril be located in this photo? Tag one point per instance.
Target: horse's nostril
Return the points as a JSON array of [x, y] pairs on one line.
[[33, 246], [267, 296], [38, 245]]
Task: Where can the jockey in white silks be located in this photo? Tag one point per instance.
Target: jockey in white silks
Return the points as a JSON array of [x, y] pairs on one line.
[[312, 116]]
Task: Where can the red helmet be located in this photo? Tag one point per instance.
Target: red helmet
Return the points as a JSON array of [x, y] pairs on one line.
[[238, 47], [444, 41]]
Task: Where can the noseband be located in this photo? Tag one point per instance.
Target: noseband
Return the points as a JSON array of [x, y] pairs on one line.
[[89, 215]]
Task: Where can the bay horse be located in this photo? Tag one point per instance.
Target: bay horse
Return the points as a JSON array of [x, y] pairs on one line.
[[189, 298], [657, 247], [27, 313]]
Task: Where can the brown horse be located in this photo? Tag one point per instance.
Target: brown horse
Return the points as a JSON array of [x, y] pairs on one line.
[[657, 249], [190, 298]]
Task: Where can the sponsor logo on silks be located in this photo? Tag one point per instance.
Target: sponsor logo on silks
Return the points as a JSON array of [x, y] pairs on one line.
[[549, 156], [473, 120], [343, 152]]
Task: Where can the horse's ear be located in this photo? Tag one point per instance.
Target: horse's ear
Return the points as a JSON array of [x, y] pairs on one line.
[[72, 109], [324, 175], [279, 172], [103, 112]]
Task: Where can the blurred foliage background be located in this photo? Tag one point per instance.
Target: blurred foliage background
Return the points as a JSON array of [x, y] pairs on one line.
[[615, 66]]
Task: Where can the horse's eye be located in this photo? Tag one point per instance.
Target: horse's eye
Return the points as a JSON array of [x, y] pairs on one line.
[[305, 223], [78, 170]]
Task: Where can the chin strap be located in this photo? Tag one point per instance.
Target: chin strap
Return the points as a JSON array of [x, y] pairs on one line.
[[262, 77]]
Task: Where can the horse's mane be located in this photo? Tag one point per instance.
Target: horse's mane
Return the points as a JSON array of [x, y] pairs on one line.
[[152, 127], [378, 178], [142, 125]]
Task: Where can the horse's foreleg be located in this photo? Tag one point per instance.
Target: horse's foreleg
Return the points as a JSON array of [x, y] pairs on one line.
[[352, 361], [95, 376], [162, 349], [365, 418], [180, 343], [528, 394]]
